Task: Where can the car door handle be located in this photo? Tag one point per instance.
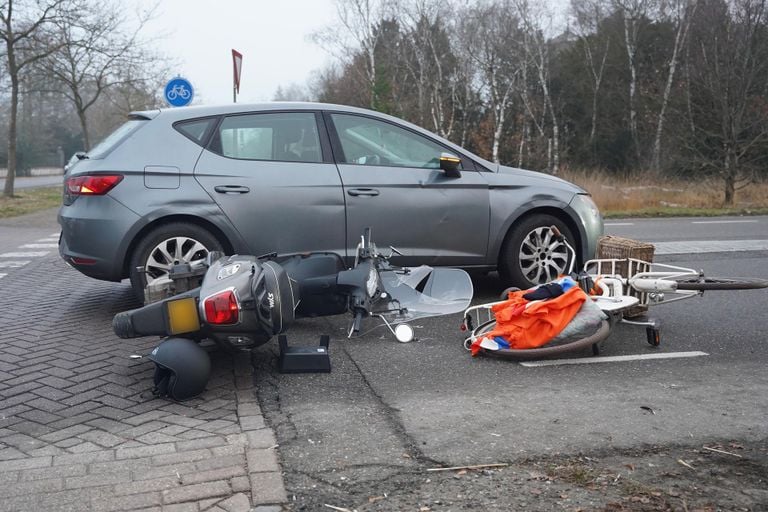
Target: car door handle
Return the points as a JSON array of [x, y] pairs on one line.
[[370, 192], [231, 189]]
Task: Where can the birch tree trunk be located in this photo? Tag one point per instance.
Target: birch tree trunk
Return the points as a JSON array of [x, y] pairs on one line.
[[682, 32], [540, 51], [630, 40], [597, 79]]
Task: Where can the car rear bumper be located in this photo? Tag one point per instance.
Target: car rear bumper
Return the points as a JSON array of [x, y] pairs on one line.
[[94, 236]]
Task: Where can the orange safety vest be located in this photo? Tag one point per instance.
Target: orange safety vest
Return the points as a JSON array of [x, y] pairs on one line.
[[533, 324]]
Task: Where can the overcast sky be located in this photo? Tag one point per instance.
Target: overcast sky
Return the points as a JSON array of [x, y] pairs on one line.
[[272, 35]]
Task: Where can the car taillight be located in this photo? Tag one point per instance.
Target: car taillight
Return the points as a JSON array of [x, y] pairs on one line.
[[92, 185], [221, 308]]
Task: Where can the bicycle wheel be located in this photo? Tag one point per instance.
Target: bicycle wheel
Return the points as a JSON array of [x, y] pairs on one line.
[[599, 335], [721, 283]]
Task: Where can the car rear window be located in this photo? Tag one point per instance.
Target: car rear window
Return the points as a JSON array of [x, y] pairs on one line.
[[101, 149]]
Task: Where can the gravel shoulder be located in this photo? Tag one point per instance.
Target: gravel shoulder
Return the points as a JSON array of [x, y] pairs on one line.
[[681, 478]]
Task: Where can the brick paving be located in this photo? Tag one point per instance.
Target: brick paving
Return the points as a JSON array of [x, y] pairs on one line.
[[79, 429]]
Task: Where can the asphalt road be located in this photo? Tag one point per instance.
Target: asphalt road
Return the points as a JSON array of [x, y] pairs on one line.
[[387, 407], [34, 181]]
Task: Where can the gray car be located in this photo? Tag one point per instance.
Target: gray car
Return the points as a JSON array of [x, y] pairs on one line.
[[169, 186]]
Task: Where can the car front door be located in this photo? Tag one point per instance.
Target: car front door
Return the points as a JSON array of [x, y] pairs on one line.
[[268, 173], [393, 183]]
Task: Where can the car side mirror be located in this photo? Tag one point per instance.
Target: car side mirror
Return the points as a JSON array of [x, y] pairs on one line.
[[450, 165]]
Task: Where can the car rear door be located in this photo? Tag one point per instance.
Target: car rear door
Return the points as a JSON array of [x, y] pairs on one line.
[[273, 175], [393, 183]]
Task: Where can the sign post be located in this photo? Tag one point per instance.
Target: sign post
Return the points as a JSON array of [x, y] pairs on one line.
[[237, 65]]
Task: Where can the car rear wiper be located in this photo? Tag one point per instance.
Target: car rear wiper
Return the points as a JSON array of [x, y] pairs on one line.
[[82, 155]]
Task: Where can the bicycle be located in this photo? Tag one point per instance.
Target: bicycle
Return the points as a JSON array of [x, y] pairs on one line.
[[615, 286], [179, 91]]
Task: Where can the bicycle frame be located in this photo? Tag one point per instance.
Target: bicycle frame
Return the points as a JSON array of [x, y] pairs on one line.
[[648, 281]]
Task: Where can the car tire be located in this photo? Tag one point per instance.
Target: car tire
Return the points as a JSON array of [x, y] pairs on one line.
[[184, 242], [530, 256]]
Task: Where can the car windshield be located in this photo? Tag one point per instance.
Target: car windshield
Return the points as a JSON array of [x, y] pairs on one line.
[[101, 149]]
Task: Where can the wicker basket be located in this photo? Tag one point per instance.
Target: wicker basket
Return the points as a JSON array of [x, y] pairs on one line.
[[616, 247]]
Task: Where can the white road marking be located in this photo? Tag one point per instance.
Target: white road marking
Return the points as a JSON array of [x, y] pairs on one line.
[[38, 246], [13, 264], [619, 224], [49, 239], [56, 235], [724, 221], [613, 359], [3, 275], [30, 254], [697, 247]]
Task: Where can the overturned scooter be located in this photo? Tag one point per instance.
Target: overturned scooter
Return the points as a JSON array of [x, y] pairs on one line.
[[244, 301]]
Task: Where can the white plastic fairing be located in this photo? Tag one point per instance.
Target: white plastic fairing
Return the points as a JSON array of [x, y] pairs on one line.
[[654, 285]]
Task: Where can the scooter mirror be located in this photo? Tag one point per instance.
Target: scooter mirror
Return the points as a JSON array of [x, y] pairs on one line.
[[404, 333]]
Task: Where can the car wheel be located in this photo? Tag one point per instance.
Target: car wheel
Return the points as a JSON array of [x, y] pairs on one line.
[[166, 246], [531, 255]]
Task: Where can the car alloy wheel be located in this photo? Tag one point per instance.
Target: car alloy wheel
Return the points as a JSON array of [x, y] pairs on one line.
[[170, 252], [542, 258], [165, 246]]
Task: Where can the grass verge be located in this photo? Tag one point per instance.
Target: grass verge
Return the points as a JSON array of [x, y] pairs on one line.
[[30, 200], [647, 195]]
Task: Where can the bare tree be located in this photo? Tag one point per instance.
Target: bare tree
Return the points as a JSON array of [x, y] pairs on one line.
[[633, 13], [729, 85], [684, 12], [490, 33], [587, 15], [430, 62], [536, 49], [138, 94], [98, 48], [27, 29], [292, 92], [357, 31]]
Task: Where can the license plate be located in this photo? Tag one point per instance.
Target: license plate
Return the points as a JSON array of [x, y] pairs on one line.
[[182, 316]]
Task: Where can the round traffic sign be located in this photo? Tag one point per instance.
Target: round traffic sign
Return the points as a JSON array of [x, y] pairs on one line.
[[179, 92]]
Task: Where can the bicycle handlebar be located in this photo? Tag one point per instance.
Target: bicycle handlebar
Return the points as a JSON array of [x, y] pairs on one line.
[[558, 236]]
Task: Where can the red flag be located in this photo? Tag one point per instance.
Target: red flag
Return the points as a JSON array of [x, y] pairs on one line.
[[237, 64]]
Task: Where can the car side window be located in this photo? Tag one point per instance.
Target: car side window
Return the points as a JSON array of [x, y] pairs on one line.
[[280, 136], [195, 129], [367, 141]]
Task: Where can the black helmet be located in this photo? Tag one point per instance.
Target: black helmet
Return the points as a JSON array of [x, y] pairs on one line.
[[182, 368]]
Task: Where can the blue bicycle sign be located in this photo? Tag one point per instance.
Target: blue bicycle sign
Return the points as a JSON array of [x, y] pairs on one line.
[[179, 92]]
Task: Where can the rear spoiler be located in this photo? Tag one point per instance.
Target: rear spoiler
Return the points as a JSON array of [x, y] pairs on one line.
[[144, 115]]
